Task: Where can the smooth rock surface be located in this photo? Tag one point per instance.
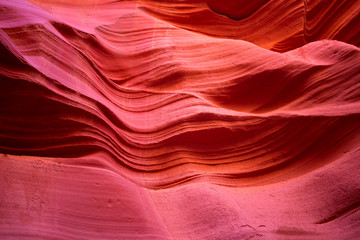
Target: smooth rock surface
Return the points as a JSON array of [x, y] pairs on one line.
[[172, 119]]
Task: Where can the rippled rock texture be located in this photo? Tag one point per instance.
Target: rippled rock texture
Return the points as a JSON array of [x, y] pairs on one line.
[[180, 119]]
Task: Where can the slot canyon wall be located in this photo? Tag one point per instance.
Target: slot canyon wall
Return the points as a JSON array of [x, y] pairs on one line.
[[179, 119]]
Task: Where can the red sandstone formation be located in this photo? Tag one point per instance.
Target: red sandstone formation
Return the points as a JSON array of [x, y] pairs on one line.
[[175, 119]]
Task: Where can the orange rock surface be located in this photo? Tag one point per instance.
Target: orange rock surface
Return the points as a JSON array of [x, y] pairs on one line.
[[179, 119]]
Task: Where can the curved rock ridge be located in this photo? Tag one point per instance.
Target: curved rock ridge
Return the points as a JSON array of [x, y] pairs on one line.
[[277, 25], [118, 106]]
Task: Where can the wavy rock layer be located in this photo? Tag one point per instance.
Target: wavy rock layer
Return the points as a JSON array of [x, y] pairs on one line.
[[277, 25], [117, 122]]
